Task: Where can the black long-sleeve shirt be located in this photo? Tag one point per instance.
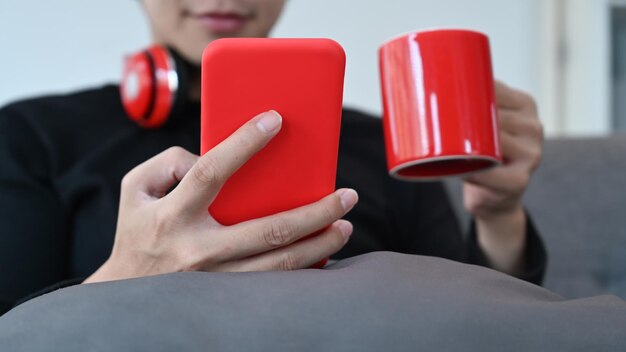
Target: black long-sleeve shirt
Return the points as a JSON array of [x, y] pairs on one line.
[[62, 159]]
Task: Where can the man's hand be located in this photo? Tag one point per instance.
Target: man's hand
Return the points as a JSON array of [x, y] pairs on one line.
[[160, 232], [494, 197]]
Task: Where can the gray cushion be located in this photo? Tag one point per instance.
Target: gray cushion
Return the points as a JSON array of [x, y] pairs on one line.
[[374, 302], [578, 201]]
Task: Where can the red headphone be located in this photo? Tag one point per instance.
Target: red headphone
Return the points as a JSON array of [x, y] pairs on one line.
[[153, 86]]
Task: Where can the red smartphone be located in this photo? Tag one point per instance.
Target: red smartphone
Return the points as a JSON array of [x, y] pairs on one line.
[[302, 79]]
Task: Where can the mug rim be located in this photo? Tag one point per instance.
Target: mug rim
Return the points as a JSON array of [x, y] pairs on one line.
[[394, 172]]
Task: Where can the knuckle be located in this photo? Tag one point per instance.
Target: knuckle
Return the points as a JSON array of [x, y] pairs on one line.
[[206, 172], [332, 211], [278, 234], [214, 253], [337, 240], [537, 128], [189, 260], [536, 154], [174, 153], [195, 259], [471, 206], [175, 150], [536, 158], [477, 208], [504, 118], [288, 261], [527, 100], [203, 255], [127, 181]]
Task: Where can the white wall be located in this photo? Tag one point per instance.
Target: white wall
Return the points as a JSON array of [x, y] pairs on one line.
[[60, 45], [57, 46], [586, 84]]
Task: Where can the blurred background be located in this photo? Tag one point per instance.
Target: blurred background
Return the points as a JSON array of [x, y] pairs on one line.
[[569, 54]]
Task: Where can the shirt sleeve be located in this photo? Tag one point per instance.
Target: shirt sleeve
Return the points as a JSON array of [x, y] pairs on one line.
[[536, 257], [52, 288], [33, 234], [434, 230]]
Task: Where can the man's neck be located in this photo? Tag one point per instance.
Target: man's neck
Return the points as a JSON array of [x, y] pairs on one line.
[[194, 84]]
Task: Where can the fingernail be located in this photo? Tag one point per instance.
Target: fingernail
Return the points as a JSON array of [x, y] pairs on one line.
[[346, 229], [348, 197], [269, 121]]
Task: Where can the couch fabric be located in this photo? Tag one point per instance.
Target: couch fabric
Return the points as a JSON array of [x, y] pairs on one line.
[[577, 199], [374, 302]]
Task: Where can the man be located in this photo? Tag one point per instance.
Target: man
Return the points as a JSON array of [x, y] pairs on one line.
[[63, 159]]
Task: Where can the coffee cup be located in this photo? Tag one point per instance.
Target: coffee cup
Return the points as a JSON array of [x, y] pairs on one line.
[[439, 109]]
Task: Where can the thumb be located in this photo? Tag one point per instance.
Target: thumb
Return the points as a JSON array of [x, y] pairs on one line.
[[155, 177]]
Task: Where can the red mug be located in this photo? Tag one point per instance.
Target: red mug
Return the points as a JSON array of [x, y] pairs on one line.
[[440, 117]]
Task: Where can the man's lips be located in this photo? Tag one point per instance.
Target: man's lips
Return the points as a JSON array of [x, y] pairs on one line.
[[221, 23]]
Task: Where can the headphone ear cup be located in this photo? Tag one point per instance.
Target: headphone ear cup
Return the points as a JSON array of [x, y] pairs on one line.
[[137, 86], [149, 87]]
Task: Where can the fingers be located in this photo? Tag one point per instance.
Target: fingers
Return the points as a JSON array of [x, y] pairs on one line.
[[520, 125], [500, 179], [202, 183], [299, 255], [156, 176], [513, 99], [280, 230], [501, 188], [522, 139], [514, 173]]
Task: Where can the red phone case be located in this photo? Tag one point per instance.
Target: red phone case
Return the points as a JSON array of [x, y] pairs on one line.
[[302, 79]]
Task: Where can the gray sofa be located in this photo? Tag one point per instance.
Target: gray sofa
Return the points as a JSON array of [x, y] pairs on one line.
[[578, 201], [374, 302]]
